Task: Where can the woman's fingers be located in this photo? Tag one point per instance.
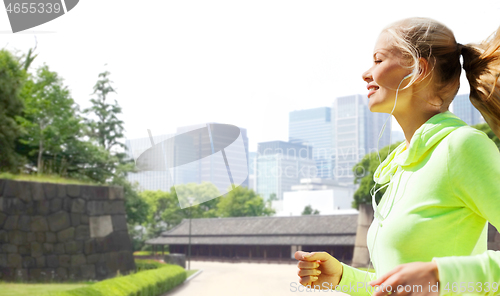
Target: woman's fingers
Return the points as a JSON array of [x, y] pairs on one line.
[[308, 272], [307, 264], [307, 280]]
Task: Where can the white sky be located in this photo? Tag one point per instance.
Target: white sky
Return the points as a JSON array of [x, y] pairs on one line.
[[247, 63]]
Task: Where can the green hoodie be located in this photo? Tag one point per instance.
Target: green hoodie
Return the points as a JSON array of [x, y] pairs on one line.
[[442, 191]]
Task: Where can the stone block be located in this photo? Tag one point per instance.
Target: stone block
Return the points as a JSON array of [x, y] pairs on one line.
[[52, 261], [75, 219], [24, 223], [66, 235], [39, 223], [42, 207], [100, 226], [56, 205], [112, 262], [74, 273], [11, 222], [62, 273], [9, 248], [87, 192], [43, 274], [89, 247], [67, 204], [88, 271], [84, 219], [120, 241], [30, 209], [3, 217], [82, 232], [37, 191], [4, 237], [24, 250], [14, 261], [101, 270], [73, 247], [36, 249], [11, 188], [59, 249], [78, 206], [101, 193], [50, 190], [119, 222], [59, 221], [40, 236], [25, 191], [29, 262], [3, 261], [61, 191], [7, 274], [2, 184], [102, 244], [126, 262], [22, 275], [115, 192], [31, 237], [17, 237], [40, 261], [50, 237], [92, 259], [77, 260], [48, 248], [73, 190], [18, 206], [64, 260]]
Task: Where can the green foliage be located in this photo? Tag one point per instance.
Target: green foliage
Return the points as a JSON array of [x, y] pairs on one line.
[[152, 282], [12, 78], [308, 210], [243, 202], [363, 172], [142, 264]]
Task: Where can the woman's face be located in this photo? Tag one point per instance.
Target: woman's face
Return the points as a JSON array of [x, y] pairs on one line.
[[385, 75]]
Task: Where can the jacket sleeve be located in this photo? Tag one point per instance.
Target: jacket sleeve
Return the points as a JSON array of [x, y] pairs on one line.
[[355, 281], [474, 170]]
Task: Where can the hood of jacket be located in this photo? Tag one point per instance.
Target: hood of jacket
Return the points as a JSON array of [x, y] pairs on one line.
[[425, 138]]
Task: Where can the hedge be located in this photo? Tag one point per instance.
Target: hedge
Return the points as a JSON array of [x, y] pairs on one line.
[[151, 282]]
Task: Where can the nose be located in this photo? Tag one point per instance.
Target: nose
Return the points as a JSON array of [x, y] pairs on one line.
[[367, 76]]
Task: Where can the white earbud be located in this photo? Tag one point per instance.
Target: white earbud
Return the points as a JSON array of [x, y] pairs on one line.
[[408, 76]]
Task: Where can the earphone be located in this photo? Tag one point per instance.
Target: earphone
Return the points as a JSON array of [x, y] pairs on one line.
[[376, 213]]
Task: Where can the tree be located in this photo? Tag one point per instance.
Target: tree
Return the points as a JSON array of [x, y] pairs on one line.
[[308, 210], [484, 127], [12, 78], [242, 202], [363, 172], [49, 120]]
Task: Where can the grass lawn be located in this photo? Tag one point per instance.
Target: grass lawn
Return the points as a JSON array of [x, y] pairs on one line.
[[44, 179], [191, 272], [26, 289], [148, 253]]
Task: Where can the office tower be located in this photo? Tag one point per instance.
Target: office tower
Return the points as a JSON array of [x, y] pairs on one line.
[[280, 165], [252, 163], [463, 108], [194, 172], [313, 127], [355, 133]]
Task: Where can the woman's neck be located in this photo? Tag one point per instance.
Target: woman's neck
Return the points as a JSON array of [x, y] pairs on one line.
[[411, 122]]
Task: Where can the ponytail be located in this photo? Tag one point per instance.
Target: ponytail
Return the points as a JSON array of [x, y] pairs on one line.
[[481, 63]]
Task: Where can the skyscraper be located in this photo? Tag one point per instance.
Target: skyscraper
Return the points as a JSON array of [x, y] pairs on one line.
[[280, 165], [314, 128], [355, 133], [463, 108]]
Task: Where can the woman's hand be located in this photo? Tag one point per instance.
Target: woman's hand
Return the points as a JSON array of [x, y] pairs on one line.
[[318, 269], [415, 277]]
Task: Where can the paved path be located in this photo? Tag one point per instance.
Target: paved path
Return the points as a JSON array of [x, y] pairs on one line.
[[243, 279]]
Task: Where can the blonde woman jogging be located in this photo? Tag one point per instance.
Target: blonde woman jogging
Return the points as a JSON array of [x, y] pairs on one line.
[[429, 235]]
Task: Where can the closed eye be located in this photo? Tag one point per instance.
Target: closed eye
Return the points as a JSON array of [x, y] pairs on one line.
[[377, 61]]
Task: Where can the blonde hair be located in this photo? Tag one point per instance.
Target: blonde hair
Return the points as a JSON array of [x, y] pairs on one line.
[[426, 38]]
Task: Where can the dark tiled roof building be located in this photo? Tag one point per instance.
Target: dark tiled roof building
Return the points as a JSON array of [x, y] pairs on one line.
[[263, 238]]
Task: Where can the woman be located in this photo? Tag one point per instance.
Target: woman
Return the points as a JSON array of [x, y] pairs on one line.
[[429, 232]]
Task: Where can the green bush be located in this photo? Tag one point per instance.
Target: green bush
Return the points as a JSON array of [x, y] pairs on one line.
[[143, 264], [151, 282]]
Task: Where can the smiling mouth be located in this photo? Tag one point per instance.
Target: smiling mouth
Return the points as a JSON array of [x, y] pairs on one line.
[[372, 90]]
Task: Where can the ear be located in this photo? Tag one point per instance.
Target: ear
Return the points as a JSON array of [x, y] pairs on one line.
[[424, 70]]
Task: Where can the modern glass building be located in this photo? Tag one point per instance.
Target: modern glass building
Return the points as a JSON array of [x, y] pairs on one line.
[[463, 108], [355, 133], [280, 165], [313, 127], [195, 172]]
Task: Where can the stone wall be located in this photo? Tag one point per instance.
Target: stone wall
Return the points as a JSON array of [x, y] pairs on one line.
[[56, 232]]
